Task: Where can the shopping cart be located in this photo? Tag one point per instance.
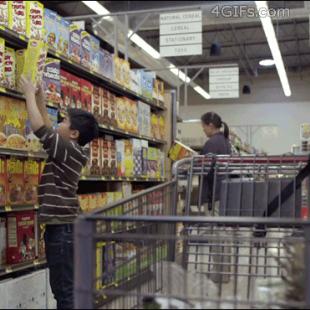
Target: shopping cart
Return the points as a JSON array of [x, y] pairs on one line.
[[155, 256]]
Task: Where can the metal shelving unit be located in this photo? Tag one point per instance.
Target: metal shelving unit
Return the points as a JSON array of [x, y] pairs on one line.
[[121, 179]]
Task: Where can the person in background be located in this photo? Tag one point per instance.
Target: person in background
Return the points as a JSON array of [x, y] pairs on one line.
[[217, 144], [57, 192]]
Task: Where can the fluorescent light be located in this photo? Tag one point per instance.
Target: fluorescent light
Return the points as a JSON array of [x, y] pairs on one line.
[[145, 46], [273, 44], [202, 92], [191, 121], [266, 62], [98, 9], [180, 74]]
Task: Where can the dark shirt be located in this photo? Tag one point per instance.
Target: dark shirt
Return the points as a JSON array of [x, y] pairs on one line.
[[217, 145], [59, 181]]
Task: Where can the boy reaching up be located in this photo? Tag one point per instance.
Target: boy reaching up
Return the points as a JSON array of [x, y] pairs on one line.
[[58, 186]]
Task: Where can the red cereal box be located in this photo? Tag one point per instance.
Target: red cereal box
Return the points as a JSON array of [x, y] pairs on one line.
[[112, 110], [105, 106], [20, 237], [3, 181], [86, 95], [65, 79], [96, 104], [32, 172], [95, 162], [16, 192], [75, 92], [105, 158]]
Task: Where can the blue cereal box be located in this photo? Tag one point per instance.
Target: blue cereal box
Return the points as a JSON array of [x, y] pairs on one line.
[[85, 49], [63, 36], [106, 64], [75, 43], [51, 28], [95, 46]]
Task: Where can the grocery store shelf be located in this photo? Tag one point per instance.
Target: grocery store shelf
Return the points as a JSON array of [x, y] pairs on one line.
[[126, 134], [121, 179], [5, 209], [21, 153], [10, 269]]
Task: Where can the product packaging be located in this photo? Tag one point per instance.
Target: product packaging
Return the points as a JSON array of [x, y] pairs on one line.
[[3, 249], [17, 16], [94, 53], [32, 171], [105, 171], [4, 13], [3, 181], [128, 159], [51, 28], [65, 82], [33, 143], [117, 69], [120, 158], [144, 150], [53, 116], [162, 127], [137, 157], [134, 116], [155, 126], [92, 198], [112, 155], [84, 202], [96, 104], [75, 43], [85, 49], [34, 20], [75, 92], [147, 83], [9, 68], [125, 73], [64, 36], [121, 113], [51, 81], [179, 151], [20, 62], [106, 64], [95, 160], [105, 107], [20, 237], [16, 185], [152, 162], [101, 200], [2, 61], [86, 95], [135, 83], [161, 91], [112, 110]]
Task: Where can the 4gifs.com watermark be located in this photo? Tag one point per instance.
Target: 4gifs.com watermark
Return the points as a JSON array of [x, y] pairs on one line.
[[238, 11]]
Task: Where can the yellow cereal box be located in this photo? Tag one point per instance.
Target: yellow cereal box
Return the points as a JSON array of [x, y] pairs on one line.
[[32, 171], [17, 16], [35, 57], [161, 91], [102, 200], [121, 113], [9, 68], [92, 202], [4, 13], [84, 202], [155, 126], [35, 20], [125, 73], [128, 158], [162, 125], [118, 196], [179, 151], [2, 59], [117, 69], [20, 61], [134, 116]]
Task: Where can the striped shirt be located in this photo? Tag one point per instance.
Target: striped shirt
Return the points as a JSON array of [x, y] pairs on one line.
[[59, 181]]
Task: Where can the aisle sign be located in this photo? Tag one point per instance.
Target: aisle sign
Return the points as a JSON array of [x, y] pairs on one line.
[[181, 34], [224, 82]]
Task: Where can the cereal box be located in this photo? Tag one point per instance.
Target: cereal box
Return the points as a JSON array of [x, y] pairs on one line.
[[179, 151], [33, 143], [85, 49], [96, 104], [147, 121], [137, 157], [20, 237], [53, 116], [20, 61], [35, 20], [75, 43], [125, 73], [155, 126], [31, 177], [3, 181], [63, 36], [94, 54], [86, 95], [135, 83], [51, 81], [3, 235], [51, 28], [75, 92], [35, 57], [65, 82], [147, 84], [120, 157], [112, 110], [95, 159], [121, 113], [161, 91], [128, 159], [161, 125], [117, 69], [105, 107], [152, 162], [144, 150], [16, 189], [134, 116], [102, 200], [112, 155], [105, 170], [106, 64], [17, 16], [117, 197], [4, 13], [128, 118], [92, 202], [9, 68], [2, 59]]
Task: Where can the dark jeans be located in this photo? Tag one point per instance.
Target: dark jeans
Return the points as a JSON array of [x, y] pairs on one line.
[[59, 255]]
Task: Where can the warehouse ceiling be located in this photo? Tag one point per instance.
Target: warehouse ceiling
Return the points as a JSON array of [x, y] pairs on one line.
[[242, 39]]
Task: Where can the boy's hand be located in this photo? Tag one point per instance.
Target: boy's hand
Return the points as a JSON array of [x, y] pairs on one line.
[[27, 86], [40, 95]]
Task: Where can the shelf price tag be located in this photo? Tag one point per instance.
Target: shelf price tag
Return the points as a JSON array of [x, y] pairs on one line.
[[8, 208], [8, 269], [36, 262]]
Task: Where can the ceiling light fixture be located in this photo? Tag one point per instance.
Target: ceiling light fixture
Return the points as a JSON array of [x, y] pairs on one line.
[[266, 62], [98, 9], [180, 74], [262, 6], [202, 92]]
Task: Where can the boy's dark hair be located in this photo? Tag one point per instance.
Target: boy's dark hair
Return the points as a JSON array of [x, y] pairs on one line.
[[85, 123]]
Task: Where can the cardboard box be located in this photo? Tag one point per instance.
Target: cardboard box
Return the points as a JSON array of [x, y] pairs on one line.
[[96, 104], [92, 202], [84, 202], [2, 60], [147, 84], [95, 158], [3, 181], [125, 188], [94, 54], [106, 64], [112, 110], [152, 162], [86, 95], [155, 126], [179, 151], [2, 242], [20, 237], [35, 20], [20, 62], [134, 116], [35, 57], [105, 107], [4, 13], [121, 113], [75, 84], [51, 81], [135, 83], [9, 68], [85, 49], [102, 200], [64, 36], [137, 157], [125, 73], [75, 43], [51, 28], [65, 82], [117, 69], [128, 159], [105, 170], [161, 91], [112, 155], [16, 185], [17, 16], [120, 157], [162, 128], [145, 165], [31, 179]]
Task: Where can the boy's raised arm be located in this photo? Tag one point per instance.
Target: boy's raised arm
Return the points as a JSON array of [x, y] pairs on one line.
[[40, 99]]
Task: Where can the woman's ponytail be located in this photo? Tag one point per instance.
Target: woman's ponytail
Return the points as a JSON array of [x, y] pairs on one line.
[[226, 130]]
